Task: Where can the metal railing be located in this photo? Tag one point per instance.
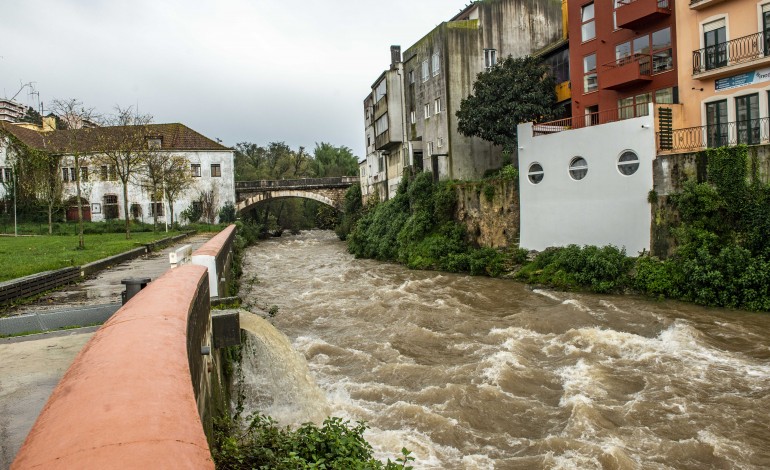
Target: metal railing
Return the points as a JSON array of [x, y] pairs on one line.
[[298, 183], [749, 132], [591, 119], [663, 4], [725, 54], [644, 61]]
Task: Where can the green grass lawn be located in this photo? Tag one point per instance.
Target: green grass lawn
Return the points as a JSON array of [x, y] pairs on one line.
[[21, 256]]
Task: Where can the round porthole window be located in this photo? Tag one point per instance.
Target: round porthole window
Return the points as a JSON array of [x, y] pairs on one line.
[[578, 168], [535, 173], [628, 163]]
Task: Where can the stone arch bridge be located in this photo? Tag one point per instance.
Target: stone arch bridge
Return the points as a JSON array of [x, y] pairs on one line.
[[329, 191]]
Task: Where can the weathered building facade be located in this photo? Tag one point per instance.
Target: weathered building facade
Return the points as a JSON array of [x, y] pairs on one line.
[[438, 72], [210, 166]]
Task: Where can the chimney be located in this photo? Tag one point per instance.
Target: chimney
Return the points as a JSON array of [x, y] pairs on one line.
[[49, 123], [395, 56]]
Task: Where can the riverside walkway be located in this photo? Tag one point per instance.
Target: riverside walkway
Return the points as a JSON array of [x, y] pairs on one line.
[[33, 365]]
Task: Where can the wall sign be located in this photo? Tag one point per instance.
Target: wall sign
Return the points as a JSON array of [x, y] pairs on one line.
[[742, 79]]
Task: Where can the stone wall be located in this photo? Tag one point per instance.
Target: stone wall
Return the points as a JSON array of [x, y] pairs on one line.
[[490, 212]]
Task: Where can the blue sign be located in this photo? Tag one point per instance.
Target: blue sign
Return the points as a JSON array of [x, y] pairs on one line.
[[743, 79]]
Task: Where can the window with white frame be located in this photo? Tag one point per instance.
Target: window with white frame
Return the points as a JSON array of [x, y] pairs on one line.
[[436, 63], [412, 117], [628, 163], [535, 173], [490, 58], [426, 108], [440, 142], [425, 70], [590, 81], [431, 150], [410, 76], [380, 91], [381, 124], [588, 26], [578, 168], [437, 106]]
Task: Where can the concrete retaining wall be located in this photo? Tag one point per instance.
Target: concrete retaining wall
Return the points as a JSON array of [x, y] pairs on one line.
[[129, 398], [35, 284]]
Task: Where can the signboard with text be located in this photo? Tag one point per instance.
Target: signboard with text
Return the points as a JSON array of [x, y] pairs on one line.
[[743, 79]]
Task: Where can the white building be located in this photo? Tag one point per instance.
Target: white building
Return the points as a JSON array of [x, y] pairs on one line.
[[211, 167], [587, 186], [11, 111]]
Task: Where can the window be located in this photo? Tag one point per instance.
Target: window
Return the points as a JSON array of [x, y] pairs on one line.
[[381, 124], [766, 26], [195, 170], [662, 56], [592, 115], [104, 174], [578, 168], [633, 106], [216, 170], [535, 173], [615, 5], [590, 82], [73, 175], [490, 58], [410, 76], [436, 63], [747, 117], [665, 96], [136, 211], [628, 163], [111, 210], [7, 172], [716, 123], [437, 106], [431, 150], [380, 91], [154, 143], [412, 117], [715, 42], [588, 27], [380, 164], [425, 71], [83, 173], [559, 63], [427, 111], [65, 175], [440, 142], [156, 209]]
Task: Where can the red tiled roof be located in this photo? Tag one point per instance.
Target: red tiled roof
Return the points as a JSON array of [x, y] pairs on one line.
[[173, 136]]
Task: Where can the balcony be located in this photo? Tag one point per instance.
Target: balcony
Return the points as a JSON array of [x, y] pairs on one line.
[[632, 14], [626, 72], [749, 132], [386, 140], [731, 57], [591, 119], [701, 4]]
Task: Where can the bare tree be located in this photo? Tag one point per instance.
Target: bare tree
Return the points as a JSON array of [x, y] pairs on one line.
[[75, 116], [209, 200], [177, 179], [124, 148]]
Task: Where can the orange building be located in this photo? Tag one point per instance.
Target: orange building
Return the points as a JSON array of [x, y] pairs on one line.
[[723, 52]]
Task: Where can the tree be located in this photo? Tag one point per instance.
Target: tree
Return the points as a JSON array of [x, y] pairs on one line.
[[177, 178], [72, 115], [329, 160], [512, 92], [124, 149]]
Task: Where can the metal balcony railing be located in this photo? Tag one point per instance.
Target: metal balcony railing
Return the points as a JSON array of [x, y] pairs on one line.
[[663, 4], [736, 51], [749, 132], [591, 119]]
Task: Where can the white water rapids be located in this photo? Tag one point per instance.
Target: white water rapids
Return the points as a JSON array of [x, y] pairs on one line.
[[472, 372]]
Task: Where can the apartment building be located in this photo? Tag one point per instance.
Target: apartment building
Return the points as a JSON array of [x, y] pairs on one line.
[[11, 111], [436, 74], [724, 51], [623, 55]]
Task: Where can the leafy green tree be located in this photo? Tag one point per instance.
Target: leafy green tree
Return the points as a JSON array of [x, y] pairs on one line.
[[329, 160], [512, 92]]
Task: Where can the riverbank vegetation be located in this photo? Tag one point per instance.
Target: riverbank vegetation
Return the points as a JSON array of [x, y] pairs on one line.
[[336, 444], [722, 254]]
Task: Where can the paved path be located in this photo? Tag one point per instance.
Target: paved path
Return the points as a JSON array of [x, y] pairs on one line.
[[30, 367], [105, 287]]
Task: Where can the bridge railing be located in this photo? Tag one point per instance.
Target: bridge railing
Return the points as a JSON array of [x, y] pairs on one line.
[[297, 183]]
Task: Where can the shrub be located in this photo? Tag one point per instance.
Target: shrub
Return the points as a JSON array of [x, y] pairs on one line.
[[227, 213]]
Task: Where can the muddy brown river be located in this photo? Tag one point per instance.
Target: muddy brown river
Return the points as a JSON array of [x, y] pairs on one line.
[[473, 372]]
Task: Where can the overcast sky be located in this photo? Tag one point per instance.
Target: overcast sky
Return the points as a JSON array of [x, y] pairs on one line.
[[238, 70]]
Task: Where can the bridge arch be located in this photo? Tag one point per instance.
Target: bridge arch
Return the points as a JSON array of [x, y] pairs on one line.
[[287, 193]]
